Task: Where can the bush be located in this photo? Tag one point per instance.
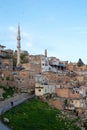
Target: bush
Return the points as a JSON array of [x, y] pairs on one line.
[[2, 78], [8, 78]]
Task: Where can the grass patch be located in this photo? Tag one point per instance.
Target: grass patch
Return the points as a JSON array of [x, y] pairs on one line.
[[37, 115]]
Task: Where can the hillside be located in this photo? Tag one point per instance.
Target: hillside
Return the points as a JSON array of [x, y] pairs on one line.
[[37, 115]]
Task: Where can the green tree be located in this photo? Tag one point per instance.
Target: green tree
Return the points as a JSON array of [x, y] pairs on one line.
[[65, 102]]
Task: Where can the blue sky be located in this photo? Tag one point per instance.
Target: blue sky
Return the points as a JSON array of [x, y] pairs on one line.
[[60, 26]]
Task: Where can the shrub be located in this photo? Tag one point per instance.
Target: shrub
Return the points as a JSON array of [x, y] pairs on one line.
[[8, 78]]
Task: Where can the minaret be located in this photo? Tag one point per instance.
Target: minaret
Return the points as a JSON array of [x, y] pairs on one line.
[[18, 46], [45, 52]]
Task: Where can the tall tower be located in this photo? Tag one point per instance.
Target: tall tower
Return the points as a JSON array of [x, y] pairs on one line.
[[18, 46], [45, 52]]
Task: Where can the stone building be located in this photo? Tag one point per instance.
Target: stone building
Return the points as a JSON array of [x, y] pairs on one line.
[[42, 89], [6, 64], [32, 66], [78, 103], [3, 53], [25, 80], [42, 86]]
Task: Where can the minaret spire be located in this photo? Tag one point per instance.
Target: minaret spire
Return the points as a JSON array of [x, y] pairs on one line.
[[18, 45]]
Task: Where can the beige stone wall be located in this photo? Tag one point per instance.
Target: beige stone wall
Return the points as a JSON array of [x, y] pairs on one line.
[[51, 77], [33, 67], [6, 78], [70, 67], [25, 80], [74, 95], [44, 89], [66, 93], [34, 59], [8, 83], [74, 67], [76, 103], [84, 68], [57, 103], [36, 68], [7, 64], [26, 66], [62, 92], [80, 78], [39, 91]]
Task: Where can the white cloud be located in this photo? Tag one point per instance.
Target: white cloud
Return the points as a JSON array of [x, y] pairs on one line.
[[26, 35], [12, 29], [28, 44]]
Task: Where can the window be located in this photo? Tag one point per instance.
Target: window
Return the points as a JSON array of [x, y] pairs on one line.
[[39, 90], [76, 91], [45, 90], [49, 69], [52, 81]]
